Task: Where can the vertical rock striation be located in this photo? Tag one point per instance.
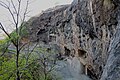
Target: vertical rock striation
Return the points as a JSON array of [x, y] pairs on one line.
[[86, 29], [112, 67]]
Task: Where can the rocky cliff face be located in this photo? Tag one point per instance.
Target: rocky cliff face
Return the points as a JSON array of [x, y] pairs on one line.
[[86, 29]]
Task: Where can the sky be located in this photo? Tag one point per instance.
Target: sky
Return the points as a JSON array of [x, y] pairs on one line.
[[35, 8]]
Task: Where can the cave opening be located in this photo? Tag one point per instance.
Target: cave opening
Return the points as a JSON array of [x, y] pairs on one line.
[[41, 31], [81, 53], [67, 51], [91, 74]]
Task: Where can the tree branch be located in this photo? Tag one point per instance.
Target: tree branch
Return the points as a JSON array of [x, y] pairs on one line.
[[1, 26]]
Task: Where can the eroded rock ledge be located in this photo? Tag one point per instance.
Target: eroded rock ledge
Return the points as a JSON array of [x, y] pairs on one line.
[[87, 29]]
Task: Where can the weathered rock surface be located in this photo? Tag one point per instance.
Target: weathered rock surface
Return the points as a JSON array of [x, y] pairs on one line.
[[71, 69], [86, 29]]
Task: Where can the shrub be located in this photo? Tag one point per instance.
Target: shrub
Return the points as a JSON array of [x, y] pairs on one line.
[[33, 69]]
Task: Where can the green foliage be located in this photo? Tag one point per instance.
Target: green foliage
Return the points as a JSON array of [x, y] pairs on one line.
[[4, 41], [23, 30], [39, 67], [4, 44], [7, 68], [14, 36], [32, 66], [31, 69]]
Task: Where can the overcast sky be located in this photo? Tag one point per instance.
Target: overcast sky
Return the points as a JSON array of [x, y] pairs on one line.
[[35, 8]]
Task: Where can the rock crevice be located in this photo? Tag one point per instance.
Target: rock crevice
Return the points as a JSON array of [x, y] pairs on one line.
[[87, 29]]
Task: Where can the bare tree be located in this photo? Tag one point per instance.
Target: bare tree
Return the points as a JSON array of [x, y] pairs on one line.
[[18, 19]]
